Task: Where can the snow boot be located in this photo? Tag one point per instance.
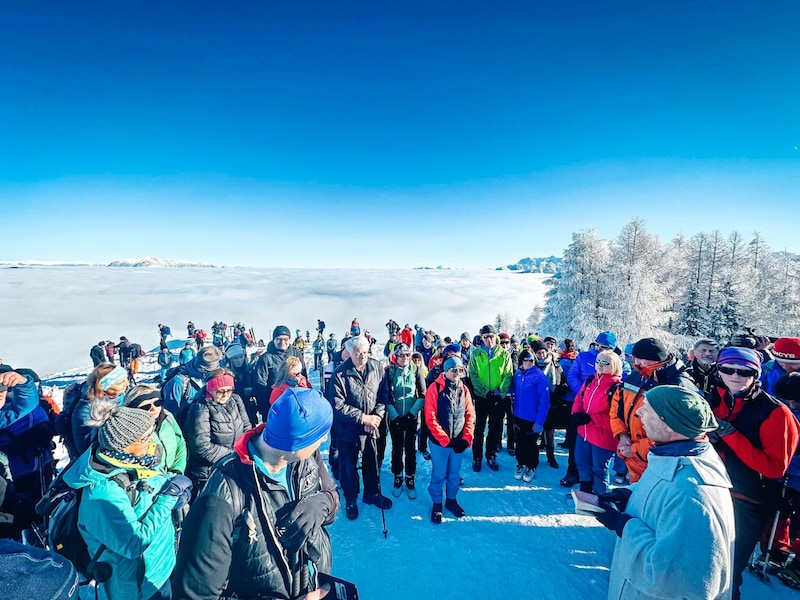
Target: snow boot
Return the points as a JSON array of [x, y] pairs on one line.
[[454, 507], [351, 510], [551, 459], [378, 500], [411, 487], [397, 487], [519, 472], [436, 513], [476, 465], [528, 475], [492, 462], [586, 486]]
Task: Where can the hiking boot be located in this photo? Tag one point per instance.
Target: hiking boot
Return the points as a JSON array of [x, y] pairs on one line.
[[454, 507], [569, 480], [426, 455], [492, 462], [378, 500], [528, 475], [476, 465], [518, 473], [411, 487], [351, 510], [436, 514], [397, 487], [551, 460]]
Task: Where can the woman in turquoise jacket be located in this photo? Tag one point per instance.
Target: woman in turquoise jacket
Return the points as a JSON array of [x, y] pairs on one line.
[[133, 522]]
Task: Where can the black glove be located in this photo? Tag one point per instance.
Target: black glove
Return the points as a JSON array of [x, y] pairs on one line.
[[411, 419], [579, 418], [611, 518], [179, 486], [493, 398], [618, 496], [296, 521], [458, 445], [724, 428]]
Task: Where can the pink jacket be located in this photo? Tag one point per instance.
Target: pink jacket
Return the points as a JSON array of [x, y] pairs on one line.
[[593, 399]]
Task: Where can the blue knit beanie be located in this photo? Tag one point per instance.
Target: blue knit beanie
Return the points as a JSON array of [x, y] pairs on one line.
[[453, 361], [298, 418], [606, 338]]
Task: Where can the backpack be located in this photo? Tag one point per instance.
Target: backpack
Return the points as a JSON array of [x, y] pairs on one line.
[[63, 420], [59, 506], [188, 394]]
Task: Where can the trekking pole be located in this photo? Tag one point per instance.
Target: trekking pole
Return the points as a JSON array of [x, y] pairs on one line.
[[374, 442], [764, 574]]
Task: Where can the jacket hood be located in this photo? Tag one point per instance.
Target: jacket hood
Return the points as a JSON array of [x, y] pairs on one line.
[[240, 445]]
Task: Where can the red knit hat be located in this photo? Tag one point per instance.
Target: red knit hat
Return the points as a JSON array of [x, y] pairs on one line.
[[220, 381], [787, 350]]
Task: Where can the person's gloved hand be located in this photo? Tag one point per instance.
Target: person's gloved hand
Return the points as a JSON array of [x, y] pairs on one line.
[[611, 518], [179, 486], [538, 428], [579, 418], [458, 445], [296, 521], [493, 398], [411, 419], [725, 428], [618, 496]]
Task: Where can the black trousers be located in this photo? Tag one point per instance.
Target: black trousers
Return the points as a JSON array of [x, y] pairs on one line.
[[403, 432], [348, 463], [527, 443], [508, 412], [491, 410], [750, 520]]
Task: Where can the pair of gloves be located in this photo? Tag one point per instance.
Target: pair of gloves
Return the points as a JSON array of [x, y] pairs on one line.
[[180, 486], [405, 420], [458, 445], [577, 419], [613, 504]]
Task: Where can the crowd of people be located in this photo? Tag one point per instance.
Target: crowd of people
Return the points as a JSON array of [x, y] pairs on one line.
[[219, 464]]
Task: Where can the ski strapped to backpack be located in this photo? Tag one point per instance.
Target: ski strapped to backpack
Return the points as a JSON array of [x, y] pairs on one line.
[[59, 506]]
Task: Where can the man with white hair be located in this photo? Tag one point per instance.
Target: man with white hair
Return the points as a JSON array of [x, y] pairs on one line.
[[704, 359], [358, 414], [676, 533]]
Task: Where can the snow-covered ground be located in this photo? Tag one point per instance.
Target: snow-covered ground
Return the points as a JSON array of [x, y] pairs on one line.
[[517, 540]]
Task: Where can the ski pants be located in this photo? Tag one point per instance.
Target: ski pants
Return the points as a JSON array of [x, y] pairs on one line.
[[487, 409], [750, 520], [445, 469], [527, 443], [404, 433]]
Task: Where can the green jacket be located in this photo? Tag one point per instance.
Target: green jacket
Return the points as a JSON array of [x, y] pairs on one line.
[[402, 390], [489, 375], [135, 548], [170, 436]]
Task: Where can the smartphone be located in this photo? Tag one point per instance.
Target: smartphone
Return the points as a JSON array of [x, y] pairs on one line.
[[340, 589]]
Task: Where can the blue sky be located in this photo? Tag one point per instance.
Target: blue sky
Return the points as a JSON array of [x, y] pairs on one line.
[[466, 134]]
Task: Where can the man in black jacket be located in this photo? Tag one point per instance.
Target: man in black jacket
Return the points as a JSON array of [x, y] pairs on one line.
[[257, 530], [98, 353], [358, 418], [266, 371]]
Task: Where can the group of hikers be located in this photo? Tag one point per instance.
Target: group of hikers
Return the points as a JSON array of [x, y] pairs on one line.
[[220, 464]]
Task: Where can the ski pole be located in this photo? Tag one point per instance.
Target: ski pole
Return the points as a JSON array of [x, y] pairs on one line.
[[764, 575], [374, 442]]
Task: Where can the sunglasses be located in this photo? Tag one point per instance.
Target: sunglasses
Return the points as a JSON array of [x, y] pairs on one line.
[[403, 355], [739, 372], [505, 343], [528, 359], [157, 403], [487, 336], [456, 370], [605, 363]]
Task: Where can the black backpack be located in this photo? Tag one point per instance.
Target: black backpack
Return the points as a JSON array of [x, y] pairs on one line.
[[59, 506]]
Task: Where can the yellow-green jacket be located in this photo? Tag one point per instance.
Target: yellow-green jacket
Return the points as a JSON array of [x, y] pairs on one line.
[[490, 374]]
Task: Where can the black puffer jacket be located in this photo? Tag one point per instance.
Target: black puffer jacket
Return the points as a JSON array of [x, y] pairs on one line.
[[266, 370], [355, 395], [233, 523], [211, 429]]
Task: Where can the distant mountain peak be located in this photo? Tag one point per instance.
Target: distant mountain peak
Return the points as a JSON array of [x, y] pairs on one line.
[[549, 264], [152, 261]]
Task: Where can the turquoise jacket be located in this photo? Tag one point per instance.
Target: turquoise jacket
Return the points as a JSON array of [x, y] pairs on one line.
[[106, 516], [402, 390]]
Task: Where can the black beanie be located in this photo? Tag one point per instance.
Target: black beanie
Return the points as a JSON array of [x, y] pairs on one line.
[[650, 349], [537, 345], [487, 329], [281, 330]]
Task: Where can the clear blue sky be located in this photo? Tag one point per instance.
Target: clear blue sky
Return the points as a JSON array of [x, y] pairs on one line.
[[391, 134]]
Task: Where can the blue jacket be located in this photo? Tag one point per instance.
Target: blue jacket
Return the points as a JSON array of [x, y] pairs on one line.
[[186, 355], [770, 373], [20, 401], [133, 541], [582, 368], [531, 395]]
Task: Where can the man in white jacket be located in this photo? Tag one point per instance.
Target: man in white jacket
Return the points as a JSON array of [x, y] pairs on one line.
[[675, 525]]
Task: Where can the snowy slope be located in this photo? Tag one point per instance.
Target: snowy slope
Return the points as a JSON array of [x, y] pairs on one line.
[[517, 541]]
